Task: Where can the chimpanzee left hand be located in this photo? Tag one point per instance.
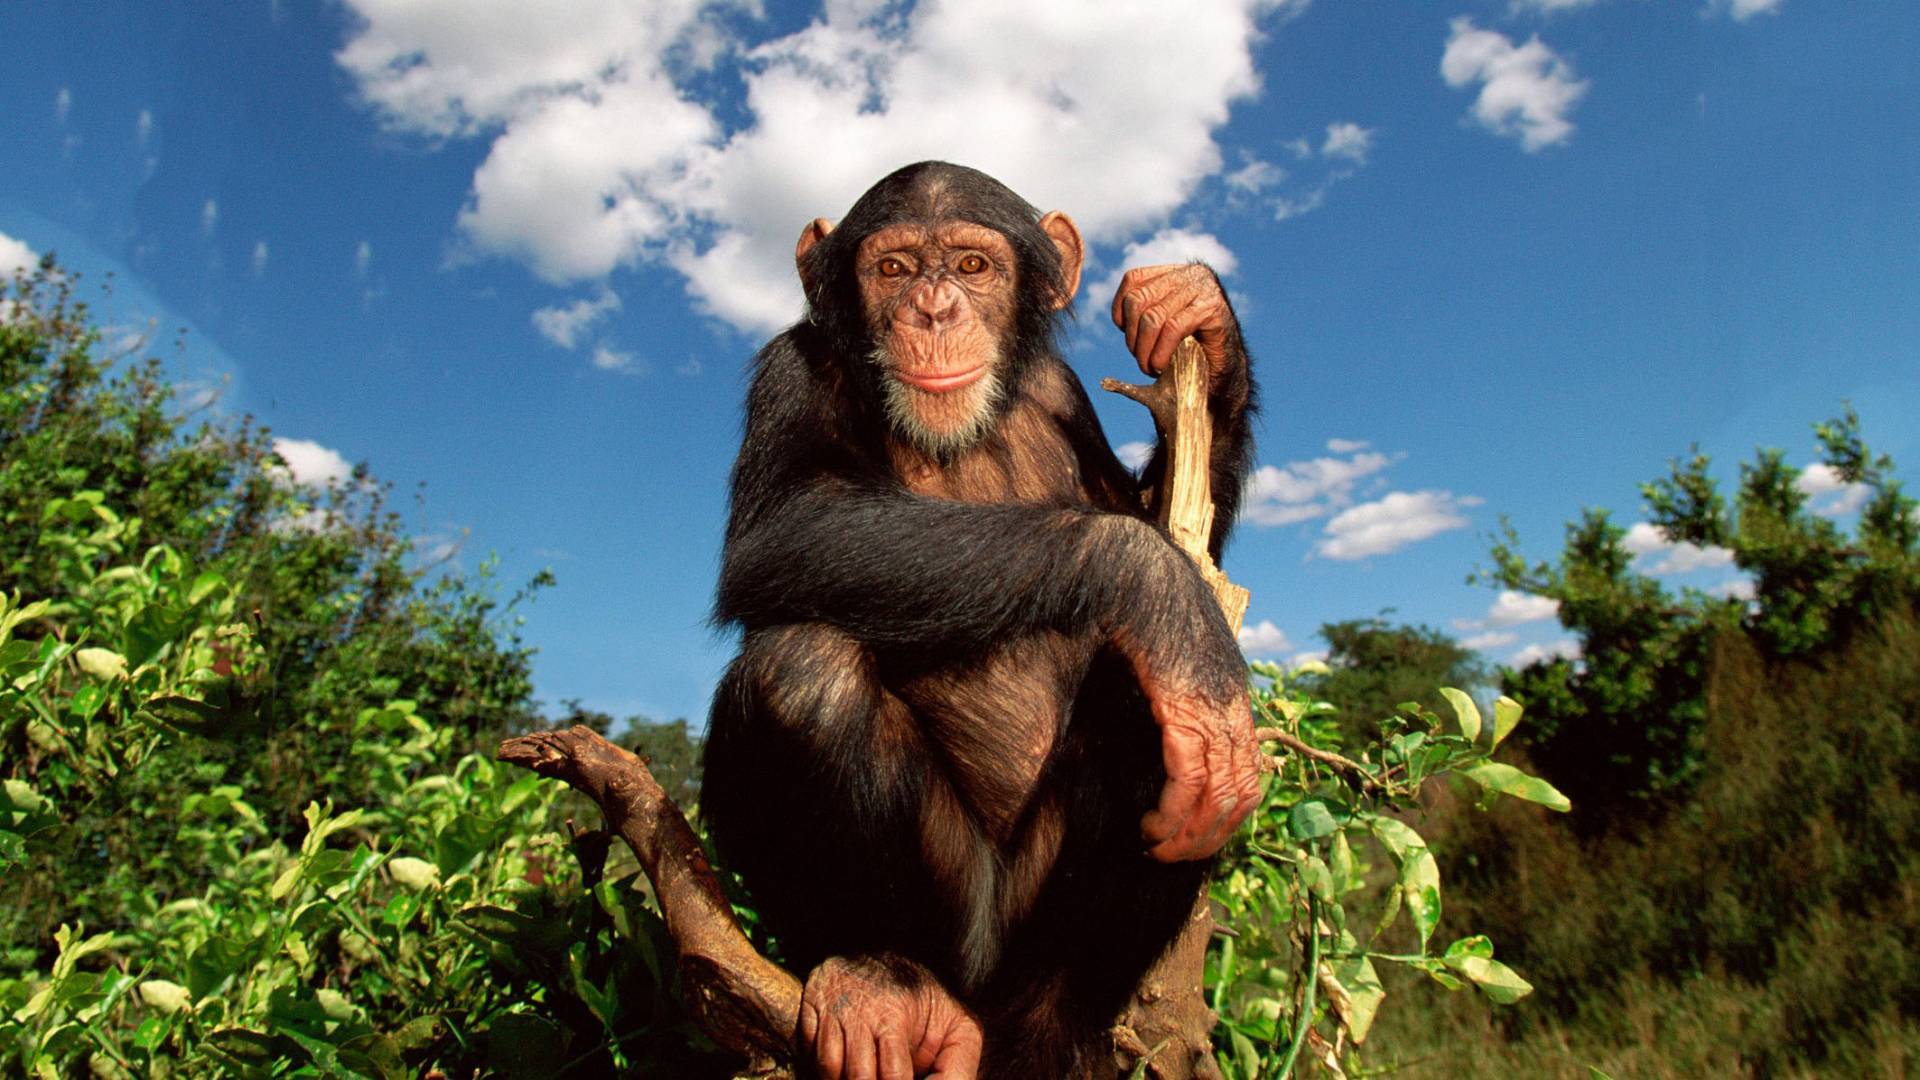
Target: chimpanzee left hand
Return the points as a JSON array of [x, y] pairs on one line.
[[861, 1021], [1158, 305]]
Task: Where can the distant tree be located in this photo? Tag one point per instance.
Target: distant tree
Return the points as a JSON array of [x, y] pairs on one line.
[[1619, 727], [1374, 666]]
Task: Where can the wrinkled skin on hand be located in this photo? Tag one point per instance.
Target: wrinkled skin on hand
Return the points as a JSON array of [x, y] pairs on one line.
[[868, 1019], [1156, 306], [1213, 772]]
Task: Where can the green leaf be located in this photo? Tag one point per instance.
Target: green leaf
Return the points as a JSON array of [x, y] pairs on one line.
[[168, 997], [1310, 820], [1508, 780], [101, 663], [1419, 874], [1495, 979], [1465, 709], [1506, 716], [1361, 994], [414, 873], [1477, 945]]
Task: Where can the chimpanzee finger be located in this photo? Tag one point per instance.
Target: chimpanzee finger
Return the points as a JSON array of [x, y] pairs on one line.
[[829, 1052], [1133, 285], [1177, 326], [1149, 341], [809, 1025], [894, 1061], [860, 1053], [960, 1058]]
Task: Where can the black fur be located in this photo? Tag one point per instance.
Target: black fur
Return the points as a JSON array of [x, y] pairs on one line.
[[848, 588]]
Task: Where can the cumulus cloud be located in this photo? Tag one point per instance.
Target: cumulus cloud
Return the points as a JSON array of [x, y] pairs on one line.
[[1134, 455], [1565, 648], [565, 326], [1303, 490], [1347, 446], [1742, 10], [1738, 588], [1348, 140], [15, 257], [1658, 555], [1254, 176], [1165, 246], [1512, 608], [311, 464], [1388, 524], [607, 358], [1492, 639], [1830, 495], [1264, 640], [1551, 7], [1526, 91], [599, 156]]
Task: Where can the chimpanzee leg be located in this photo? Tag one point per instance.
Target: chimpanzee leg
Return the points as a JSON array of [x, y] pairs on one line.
[[815, 778], [1107, 912]]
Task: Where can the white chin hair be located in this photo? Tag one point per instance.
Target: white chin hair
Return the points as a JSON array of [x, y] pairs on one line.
[[941, 423]]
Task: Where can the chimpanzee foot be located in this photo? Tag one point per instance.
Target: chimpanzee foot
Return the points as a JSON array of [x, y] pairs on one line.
[[884, 1018]]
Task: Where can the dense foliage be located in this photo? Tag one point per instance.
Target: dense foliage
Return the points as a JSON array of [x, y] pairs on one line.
[[1741, 897], [248, 824]]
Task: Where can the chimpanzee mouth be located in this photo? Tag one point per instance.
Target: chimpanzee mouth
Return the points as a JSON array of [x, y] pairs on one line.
[[941, 382]]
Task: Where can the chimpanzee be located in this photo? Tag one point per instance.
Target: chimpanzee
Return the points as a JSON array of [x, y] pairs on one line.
[[987, 723]]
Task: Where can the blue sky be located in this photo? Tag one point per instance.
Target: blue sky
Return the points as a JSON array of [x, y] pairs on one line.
[[1500, 258]]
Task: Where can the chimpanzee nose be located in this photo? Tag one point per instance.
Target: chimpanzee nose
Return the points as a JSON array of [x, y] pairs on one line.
[[938, 301]]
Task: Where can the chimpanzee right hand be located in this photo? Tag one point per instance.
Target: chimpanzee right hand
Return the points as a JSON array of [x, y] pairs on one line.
[[1213, 771], [869, 1019]]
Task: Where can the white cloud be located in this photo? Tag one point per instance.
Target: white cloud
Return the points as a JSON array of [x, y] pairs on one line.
[[1512, 608], [1492, 639], [209, 217], [1348, 140], [143, 127], [62, 105], [1264, 640], [15, 257], [599, 158], [1658, 555], [362, 259], [1742, 10], [1134, 455], [1820, 481], [1738, 588], [565, 326], [1388, 524], [1347, 446], [311, 464], [1551, 7], [1293, 206], [1565, 648], [1302, 490], [1165, 246], [259, 257], [1526, 90], [1254, 177], [607, 358]]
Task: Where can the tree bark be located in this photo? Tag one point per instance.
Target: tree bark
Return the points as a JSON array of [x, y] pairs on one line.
[[750, 1005]]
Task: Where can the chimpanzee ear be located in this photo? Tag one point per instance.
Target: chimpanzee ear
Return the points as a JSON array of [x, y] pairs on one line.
[[1073, 253], [816, 231]]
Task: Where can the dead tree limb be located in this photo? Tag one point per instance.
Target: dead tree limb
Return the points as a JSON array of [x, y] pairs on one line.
[[749, 1004], [744, 1001]]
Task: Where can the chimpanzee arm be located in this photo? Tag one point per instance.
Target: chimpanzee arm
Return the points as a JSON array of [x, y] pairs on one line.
[[818, 535], [1156, 307]]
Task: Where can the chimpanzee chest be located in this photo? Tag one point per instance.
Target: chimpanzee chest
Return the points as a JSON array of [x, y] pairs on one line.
[[1025, 459]]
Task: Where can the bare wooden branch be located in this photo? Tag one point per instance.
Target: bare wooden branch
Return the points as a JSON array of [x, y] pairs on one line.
[[744, 1001]]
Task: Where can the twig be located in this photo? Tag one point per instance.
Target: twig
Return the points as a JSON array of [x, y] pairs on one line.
[[1325, 757]]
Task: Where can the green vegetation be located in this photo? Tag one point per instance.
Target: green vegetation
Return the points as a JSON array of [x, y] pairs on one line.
[[1739, 895]]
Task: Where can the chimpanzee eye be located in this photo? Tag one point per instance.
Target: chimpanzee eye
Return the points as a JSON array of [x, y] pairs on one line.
[[891, 267], [972, 264]]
